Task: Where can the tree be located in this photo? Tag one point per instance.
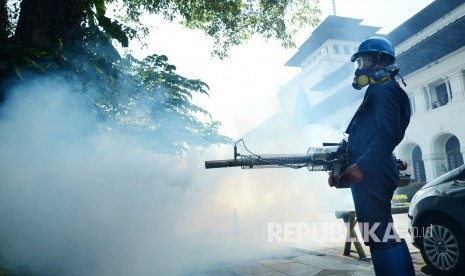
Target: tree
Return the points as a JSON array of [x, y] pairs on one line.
[[74, 40]]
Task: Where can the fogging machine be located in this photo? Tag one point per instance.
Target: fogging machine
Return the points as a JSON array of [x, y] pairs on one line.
[[331, 157]]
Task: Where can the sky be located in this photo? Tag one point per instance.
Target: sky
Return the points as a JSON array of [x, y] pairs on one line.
[[244, 87]]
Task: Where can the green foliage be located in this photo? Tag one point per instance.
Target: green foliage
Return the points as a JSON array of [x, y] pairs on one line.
[[400, 200], [156, 101]]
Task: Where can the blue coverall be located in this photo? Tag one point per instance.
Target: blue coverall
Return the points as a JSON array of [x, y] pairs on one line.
[[376, 129]]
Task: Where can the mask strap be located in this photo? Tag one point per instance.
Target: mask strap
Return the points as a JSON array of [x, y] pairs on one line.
[[402, 80]]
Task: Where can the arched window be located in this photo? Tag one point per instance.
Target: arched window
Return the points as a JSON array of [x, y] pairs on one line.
[[454, 156], [418, 165]]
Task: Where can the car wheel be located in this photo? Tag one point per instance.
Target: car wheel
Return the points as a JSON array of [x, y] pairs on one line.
[[442, 246]]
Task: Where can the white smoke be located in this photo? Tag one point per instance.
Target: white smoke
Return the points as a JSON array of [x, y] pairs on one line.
[[76, 198]]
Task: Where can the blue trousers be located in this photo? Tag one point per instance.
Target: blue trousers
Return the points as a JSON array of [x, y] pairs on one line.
[[372, 201]]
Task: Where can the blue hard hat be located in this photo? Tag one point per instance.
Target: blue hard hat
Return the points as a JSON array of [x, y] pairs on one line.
[[375, 45]]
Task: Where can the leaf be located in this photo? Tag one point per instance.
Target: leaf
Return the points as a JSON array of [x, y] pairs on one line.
[[100, 7], [113, 29]]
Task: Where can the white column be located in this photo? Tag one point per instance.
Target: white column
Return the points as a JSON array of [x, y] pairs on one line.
[[427, 97], [456, 80], [430, 167], [433, 165]]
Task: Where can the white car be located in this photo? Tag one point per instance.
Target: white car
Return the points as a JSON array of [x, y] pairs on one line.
[[437, 214]]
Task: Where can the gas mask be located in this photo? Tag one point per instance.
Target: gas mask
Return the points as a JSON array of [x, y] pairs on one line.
[[363, 77]]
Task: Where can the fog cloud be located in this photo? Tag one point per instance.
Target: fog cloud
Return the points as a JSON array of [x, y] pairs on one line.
[[78, 198]]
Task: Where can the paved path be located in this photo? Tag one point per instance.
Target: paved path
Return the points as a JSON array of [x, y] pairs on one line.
[[325, 261]]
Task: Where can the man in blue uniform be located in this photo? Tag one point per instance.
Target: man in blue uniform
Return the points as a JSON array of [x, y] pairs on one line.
[[375, 130]]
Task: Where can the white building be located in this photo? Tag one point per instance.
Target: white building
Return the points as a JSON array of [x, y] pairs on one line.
[[430, 50]]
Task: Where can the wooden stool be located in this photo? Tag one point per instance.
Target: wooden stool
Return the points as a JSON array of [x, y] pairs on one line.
[[349, 219]]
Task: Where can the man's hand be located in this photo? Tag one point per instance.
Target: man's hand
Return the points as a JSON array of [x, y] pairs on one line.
[[352, 174]]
